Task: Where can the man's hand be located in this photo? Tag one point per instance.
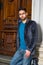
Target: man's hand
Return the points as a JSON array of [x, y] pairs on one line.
[[27, 54]]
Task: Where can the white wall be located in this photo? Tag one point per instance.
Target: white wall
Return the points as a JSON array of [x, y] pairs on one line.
[[37, 14], [41, 16], [35, 10]]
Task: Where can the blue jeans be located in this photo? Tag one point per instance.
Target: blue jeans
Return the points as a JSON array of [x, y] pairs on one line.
[[20, 59]]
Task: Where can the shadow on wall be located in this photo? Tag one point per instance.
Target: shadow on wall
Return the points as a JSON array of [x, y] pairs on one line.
[[39, 39], [39, 34], [42, 36]]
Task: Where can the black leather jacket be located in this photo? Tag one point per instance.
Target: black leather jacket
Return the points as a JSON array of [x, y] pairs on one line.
[[30, 35]]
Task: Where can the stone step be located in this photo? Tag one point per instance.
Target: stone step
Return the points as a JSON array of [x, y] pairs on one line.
[[40, 62], [3, 64], [39, 49], [5, 59]]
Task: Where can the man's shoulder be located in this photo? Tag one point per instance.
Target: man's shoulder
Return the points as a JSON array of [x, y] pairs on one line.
[[19, 20], [32, 22]]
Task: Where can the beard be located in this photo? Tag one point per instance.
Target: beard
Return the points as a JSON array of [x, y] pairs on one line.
[[23, 19]]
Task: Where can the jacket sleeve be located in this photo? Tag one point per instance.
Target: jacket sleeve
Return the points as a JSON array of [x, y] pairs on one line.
[[17, 40], [34, 37]]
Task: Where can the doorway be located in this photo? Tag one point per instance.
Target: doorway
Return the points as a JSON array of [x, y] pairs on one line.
[[8, 23]]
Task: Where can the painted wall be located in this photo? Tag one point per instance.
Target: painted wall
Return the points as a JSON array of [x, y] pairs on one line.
[[37, 15]]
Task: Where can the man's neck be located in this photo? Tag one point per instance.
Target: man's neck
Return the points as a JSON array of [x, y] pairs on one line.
[[24, 21]]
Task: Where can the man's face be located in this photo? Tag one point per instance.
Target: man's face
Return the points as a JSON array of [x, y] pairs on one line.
[[22, 14]]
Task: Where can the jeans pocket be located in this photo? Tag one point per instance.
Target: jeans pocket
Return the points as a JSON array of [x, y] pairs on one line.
[[23, 51]]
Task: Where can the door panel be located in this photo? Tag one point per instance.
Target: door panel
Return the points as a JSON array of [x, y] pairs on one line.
[[27, 4], [8, 24]]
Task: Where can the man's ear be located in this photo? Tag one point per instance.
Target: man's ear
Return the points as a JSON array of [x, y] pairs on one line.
[[26, 14]]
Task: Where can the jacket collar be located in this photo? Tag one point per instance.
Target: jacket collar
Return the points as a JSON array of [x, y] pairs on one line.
[[19, 21]]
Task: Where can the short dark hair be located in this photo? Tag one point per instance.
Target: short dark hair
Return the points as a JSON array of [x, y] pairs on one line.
[[22, 9]]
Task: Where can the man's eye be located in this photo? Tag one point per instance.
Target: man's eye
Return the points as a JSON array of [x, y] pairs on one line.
[[22, 14], [19, 14]]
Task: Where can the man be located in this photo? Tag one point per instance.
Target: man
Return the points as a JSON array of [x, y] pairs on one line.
[[26, 39]]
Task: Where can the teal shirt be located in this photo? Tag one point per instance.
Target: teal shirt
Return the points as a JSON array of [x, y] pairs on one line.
[[21, 34]]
